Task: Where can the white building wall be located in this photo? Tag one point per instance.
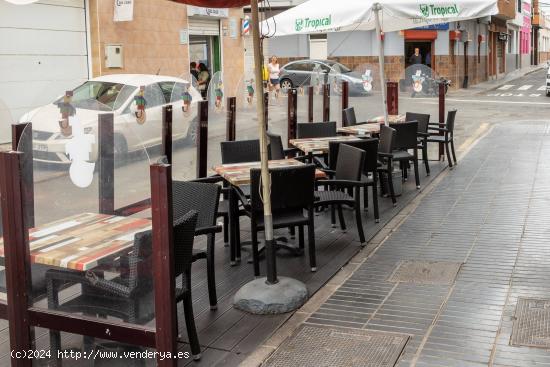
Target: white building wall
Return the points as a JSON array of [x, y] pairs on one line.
[[43, 52]]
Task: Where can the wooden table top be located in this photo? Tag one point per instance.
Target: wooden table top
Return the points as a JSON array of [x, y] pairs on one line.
[[366, 129], [238, 174], [392, 119], [318, 145], [371, 126], [81, 241]]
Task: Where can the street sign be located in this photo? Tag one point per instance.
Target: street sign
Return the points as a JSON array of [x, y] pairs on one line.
[[434, 27]]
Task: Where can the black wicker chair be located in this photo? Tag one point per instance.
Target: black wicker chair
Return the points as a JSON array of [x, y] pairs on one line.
[[129, 296], [406, 139], [291, 193], [385, 155], [349, 168], [350, 118], [240, 151], [370, 174], [277, 151], [423, 120], [316, 129], [447, 138], [203, 198]]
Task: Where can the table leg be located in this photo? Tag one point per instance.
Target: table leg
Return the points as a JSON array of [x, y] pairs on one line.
[[234, 235], [232, 229]]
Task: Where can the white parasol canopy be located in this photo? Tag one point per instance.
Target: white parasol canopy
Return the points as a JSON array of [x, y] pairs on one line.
[[319, 16]]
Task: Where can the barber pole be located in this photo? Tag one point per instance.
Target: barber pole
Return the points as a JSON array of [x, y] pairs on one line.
[[246, 26]]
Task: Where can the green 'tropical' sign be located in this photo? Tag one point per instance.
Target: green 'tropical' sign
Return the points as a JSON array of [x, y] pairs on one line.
[[301, 24], [438, 11]]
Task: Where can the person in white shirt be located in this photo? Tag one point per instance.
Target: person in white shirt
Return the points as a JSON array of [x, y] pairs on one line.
[[274, 71]]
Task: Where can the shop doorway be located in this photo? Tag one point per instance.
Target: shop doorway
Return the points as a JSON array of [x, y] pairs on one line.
[[205, 49], [425, 48]]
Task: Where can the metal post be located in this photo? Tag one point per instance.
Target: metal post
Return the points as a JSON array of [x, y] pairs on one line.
[[16, 255], [230, 131], [310, 103], [202, 139], [377, 7], [21, 135], [163, 263], [441, 115], [326, 102], [106, 163], [393, 98], [167, 132], [345, 101], [292, 114]]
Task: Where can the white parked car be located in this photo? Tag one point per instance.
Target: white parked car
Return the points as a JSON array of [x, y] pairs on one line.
[[115, 93]]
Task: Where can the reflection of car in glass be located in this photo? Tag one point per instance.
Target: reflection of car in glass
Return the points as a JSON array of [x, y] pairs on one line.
[[114, 93], [302, 72]]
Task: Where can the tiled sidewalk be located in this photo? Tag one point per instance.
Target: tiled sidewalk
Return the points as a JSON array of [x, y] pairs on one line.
[[492, 214]]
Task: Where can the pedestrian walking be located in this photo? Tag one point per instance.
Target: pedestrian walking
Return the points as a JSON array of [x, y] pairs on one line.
[[274, 72]]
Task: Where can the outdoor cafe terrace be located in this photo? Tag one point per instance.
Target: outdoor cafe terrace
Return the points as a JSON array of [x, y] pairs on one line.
[[99, 276]]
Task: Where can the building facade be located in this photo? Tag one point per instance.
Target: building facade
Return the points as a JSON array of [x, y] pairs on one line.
[[165, 36], [466, 52]]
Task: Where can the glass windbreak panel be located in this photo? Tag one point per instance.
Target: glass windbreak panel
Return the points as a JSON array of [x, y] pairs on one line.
[[277, 108], [246, 120], [93, 262], [5, 139], [318, 77], [338, 74], [419, 93], [66, 349], [185, 99], [217, 113], [6, 120], [303, 102], [366, 98]]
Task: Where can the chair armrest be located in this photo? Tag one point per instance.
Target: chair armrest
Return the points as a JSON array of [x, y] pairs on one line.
[[301, 158], [340, 183], [209, 179], [241, 196], [208, 230], [288, 151], [385, 155], [438, 129], [424, 135]]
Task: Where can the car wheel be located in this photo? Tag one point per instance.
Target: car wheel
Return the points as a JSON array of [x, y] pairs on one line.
[[547, 93], [286, 85]]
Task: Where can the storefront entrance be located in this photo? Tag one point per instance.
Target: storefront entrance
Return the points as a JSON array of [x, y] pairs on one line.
[[205, 49], [425, 48]]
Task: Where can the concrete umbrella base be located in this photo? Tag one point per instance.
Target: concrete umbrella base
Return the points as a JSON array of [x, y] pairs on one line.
[[259, 298]]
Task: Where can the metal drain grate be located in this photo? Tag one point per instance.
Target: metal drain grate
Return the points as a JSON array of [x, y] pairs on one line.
[[328, 346], [425, 272], [532, 323]]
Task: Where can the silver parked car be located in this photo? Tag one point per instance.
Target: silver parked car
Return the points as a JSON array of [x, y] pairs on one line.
[[304, 72]]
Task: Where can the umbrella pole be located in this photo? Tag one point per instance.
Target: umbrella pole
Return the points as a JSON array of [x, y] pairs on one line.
[[377, 7], [266, 178], [269, 295]]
